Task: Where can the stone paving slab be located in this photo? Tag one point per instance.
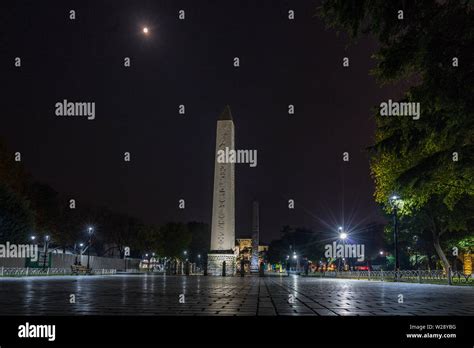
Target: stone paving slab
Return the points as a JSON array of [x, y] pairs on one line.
[[248, 296]]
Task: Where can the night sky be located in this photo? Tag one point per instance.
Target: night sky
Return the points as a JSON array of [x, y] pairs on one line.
[[190, 62]]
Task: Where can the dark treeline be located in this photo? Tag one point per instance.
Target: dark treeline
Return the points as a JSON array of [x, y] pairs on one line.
[[30, 208]]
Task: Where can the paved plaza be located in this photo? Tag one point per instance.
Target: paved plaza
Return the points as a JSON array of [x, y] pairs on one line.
[[249, 296]]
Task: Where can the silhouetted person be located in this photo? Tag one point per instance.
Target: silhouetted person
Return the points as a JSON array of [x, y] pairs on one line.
[[262, 269]]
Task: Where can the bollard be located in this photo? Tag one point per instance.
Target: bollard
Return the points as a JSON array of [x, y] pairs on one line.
[[223, 268], [261, 270]]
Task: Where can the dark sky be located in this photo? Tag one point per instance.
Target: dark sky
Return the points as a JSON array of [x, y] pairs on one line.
[[191, 62]]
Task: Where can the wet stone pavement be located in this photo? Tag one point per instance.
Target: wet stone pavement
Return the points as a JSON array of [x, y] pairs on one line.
[[249, 296]]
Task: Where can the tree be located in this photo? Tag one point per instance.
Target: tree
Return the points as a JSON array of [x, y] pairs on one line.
[[277, 251], [45, 203], [16, 218], [200, 240], [114, 231], [428, 161], [12, 173], [175, 239]]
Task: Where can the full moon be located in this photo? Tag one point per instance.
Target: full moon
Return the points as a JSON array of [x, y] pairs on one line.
[[145, 30]]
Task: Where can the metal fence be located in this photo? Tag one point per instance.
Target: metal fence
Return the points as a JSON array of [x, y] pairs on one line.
[[26, 271], [418, 275], [104, 271]]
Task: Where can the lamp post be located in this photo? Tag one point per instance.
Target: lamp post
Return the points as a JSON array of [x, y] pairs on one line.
[[45, 250], [152, 261], [415, 238], [147, 258], [342, 237], [295, 257], [393, 202], [91, 231]]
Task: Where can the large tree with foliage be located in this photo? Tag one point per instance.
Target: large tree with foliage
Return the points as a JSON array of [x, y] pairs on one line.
[[429, 161], [12, 172], [175, 238], [16, 217], [17, 220], [200, 240]]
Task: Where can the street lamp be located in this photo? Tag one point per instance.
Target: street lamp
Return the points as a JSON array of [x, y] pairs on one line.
[[415, 238], [342, 236], [91, 231], [393, 202], [46, 243], [295, 257]]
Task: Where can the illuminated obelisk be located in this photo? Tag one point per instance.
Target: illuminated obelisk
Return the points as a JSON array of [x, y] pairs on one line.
[[223, 205]]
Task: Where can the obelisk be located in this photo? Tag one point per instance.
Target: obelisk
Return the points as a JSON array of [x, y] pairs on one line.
[[223, 205], [255, 238]]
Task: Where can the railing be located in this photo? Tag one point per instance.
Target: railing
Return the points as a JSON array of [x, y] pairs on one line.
[[25, 272], [103, 271], [416, 275], [21, 272]]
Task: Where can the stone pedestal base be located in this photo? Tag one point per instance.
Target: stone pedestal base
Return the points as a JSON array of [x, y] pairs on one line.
[[215, 261]]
